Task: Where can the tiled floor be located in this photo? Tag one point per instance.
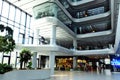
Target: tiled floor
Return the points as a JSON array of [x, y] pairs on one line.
[[78, 75]]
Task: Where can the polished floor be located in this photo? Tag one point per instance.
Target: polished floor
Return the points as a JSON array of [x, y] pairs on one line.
[[78, 75]]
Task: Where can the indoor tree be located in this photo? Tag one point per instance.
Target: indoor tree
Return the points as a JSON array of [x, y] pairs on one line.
[[25, 56], [7, 44]]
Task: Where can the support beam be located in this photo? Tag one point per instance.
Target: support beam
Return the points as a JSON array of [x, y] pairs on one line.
[[53, 36], [74, 62], [34, 60], [51, 62], [75, 44], [36, 36]]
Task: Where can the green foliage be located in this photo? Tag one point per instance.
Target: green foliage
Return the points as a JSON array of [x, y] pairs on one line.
[[29, 66], [25, 56], [5, 68], [7, 44]]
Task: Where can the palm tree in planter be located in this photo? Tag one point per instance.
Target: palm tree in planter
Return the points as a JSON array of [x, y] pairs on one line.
[[25, 56]]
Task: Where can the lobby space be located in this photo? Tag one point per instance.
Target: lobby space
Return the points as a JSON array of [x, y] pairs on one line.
[[79, 75]]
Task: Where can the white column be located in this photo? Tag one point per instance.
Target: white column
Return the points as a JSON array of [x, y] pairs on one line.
[[74, 62], [47, 63], [36, 36], [34, 60], [53, 36], [51, 62], [39, 61], [75, 44]]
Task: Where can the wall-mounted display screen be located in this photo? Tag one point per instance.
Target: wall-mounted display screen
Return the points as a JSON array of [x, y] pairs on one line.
[[115, 61]]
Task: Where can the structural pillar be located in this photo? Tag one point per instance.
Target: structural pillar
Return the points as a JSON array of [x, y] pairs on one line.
[[53, 36], [34, 60], [75, 44], [51, 62], [36, 36], [47, 63], [74, 62]]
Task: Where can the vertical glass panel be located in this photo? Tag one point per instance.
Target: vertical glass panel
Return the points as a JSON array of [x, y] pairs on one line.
[[26, 38], [12, 13], [30, 40], [23, 18], [5, 24], [4, 19], [18, 63], [5, 60], [11, 26], [22, 30], [1, 55], [13, 59], [5, 9], [28, 21], [15, 35], [0, 6], [21, 38], [10, 22], [18, 15]]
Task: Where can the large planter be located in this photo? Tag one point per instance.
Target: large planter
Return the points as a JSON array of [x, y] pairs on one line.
[[27, 74]]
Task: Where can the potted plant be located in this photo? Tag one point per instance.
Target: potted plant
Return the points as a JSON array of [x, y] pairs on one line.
[[25, 56]]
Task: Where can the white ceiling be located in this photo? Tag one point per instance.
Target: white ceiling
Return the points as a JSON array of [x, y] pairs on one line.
[[27, 5]]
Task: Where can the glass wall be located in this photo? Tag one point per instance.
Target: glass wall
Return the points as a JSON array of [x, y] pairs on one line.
[[19, 21]]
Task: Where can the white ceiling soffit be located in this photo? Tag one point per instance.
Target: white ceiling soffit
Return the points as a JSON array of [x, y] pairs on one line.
[[27, 5], [94, 34], [44, 48], [92, 52], [45, 25], [79, 2]]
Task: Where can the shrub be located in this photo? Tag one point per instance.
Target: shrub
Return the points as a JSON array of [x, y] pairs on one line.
[[5, 68]]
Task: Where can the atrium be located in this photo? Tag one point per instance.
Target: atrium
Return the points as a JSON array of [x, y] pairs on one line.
[[64, 35]]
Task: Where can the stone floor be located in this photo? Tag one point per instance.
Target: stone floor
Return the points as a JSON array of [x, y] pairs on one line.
[[79, 75]]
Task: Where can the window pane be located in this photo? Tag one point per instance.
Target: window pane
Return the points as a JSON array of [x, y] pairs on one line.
[[1, 57], [23, 17], [11, 26], [21, 38], [5, 9], [13, 59], [12, 13], [4, 19], [5, 60], [28, 21], [30, 40], [15, 35], [10, 22], [18, 14], [0, 6], [22, 31]]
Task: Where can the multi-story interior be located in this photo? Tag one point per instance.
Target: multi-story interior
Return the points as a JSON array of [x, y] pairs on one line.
[[76, 29]]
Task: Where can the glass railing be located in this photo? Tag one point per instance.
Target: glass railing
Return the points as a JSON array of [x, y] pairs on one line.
[[90, 12], [75, 0], [50, 9], [94, 27]]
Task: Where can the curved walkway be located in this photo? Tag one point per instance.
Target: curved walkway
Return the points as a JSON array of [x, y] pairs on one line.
[[78, 75]]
